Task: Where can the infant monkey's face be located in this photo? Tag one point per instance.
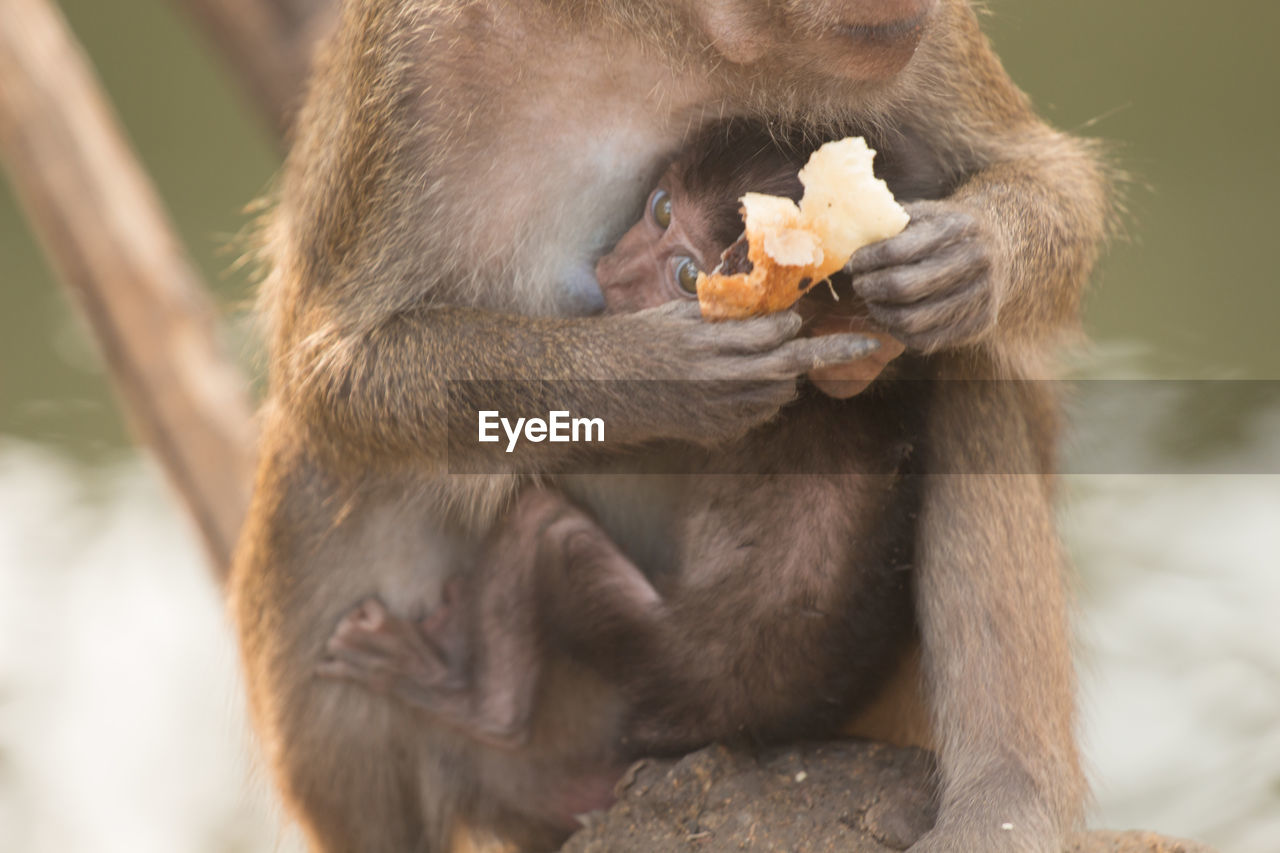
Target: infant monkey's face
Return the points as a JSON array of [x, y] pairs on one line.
[[659, 258]]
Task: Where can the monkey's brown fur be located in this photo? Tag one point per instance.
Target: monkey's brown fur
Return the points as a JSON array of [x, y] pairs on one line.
[[801, 530], [458, 168]]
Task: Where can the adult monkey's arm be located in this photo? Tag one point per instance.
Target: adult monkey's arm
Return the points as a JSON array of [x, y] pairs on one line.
[[1000, 263]]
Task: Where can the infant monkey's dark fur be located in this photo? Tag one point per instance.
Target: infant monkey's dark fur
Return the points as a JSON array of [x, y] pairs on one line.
[[694, 215], [792, 600]]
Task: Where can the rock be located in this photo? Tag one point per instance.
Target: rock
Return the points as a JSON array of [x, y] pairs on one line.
[[847, 796], [1102, 841]]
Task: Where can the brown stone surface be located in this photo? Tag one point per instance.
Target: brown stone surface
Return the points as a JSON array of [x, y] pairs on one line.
[[851, 797], [1102, 841]]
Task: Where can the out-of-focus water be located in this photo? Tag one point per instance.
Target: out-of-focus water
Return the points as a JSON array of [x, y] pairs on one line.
[[121, 720], [121, 716], [1180, 652]]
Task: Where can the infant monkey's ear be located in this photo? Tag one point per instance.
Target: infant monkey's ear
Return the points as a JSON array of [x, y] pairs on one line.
[[790, 247]]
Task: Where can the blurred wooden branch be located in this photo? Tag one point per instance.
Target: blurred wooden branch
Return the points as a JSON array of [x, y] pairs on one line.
[[106, 234], [267, 45]]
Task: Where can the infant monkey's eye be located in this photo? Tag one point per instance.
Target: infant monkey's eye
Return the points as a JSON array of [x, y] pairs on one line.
[[660, 207], [687, 275]]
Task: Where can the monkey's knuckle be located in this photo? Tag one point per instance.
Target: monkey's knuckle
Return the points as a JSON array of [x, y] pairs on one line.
[[876, 287], [915, 324], [794, 359], [875, 255], [715, 366], [780, 327], [908, 286]]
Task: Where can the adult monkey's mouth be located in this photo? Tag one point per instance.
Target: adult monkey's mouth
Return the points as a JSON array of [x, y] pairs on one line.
[[886, 35]]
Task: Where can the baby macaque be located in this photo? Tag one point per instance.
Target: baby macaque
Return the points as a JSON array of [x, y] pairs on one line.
[[693, 215], [793, 603]]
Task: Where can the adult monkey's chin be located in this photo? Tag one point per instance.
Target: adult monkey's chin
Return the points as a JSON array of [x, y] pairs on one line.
[[855, 39]]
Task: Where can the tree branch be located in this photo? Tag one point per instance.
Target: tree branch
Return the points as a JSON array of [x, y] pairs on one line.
[[107, 236], [267, 45]]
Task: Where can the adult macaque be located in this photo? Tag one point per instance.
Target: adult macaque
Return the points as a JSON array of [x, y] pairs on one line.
[[459, 167], [803, 534]]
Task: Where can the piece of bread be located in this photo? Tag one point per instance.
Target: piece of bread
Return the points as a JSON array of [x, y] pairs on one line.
[[787, 249]]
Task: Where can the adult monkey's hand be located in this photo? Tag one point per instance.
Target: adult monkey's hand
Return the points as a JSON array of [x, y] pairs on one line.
[[939, 283]]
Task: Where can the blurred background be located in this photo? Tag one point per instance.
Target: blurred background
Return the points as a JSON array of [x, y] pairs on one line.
[[121, 720]]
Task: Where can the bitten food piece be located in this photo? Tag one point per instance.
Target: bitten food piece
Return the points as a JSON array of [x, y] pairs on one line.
[[787, 249]]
